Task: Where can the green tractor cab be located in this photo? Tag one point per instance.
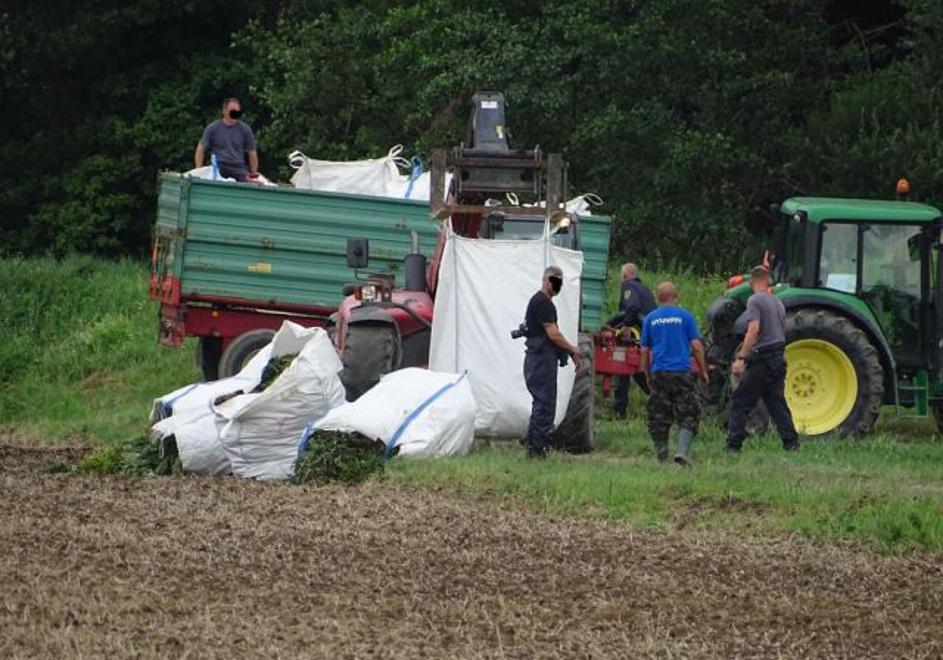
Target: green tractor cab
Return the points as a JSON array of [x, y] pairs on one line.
[[862, 284]]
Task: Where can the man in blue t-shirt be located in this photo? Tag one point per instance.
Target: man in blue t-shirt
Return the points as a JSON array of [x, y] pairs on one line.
[[669, 337]]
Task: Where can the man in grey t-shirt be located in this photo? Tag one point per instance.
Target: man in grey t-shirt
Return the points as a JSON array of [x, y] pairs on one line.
[[233, 143], [761, 366]]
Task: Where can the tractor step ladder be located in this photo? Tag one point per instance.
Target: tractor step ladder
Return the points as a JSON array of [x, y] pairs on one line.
[[919, 386]]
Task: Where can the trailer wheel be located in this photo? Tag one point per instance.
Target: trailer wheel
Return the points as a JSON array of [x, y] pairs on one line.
[[370, 351], [576, 433], [208, 352], [242, 349]]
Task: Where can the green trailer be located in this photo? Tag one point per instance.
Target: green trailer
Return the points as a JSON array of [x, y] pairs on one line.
[[231, 262]]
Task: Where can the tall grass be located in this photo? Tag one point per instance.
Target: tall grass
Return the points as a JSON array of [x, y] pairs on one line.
[[696, 292], [78, 348]]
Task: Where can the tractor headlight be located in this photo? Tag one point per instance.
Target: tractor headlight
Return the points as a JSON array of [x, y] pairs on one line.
[[368, 293]]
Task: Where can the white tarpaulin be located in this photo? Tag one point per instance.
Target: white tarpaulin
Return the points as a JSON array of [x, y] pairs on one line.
[[187, 413], [260, 431], [425, 413], [483, 290]]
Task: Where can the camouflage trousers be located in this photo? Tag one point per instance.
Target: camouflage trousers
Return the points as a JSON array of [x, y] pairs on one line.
[[673, 399]]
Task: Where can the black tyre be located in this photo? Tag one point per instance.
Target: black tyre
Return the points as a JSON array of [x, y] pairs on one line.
[[938, 415], [576, 433], [370, 351], [242, 349], [835, 382], [209, 350]]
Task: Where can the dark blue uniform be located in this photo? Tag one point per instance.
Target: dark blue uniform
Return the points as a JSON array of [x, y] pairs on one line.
[[540, 372], [635, 302]]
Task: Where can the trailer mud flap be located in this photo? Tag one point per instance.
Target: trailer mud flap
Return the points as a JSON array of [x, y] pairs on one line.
[[172, 329]]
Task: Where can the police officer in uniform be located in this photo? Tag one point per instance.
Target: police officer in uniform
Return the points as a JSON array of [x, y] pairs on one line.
[[761, 366], [635, 302], [545, 345]]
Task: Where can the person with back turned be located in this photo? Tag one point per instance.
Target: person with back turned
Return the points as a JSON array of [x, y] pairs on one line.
[[761, 366], [669, 337], [635, 301], [545, 344]]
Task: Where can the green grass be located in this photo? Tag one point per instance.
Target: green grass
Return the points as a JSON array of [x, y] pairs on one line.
[[78, 349], [78, 355]]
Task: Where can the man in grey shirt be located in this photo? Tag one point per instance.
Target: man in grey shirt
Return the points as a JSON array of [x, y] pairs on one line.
[[761, 366], [232, 142]]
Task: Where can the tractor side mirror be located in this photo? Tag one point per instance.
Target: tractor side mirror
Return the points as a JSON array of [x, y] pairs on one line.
[[358, 253]]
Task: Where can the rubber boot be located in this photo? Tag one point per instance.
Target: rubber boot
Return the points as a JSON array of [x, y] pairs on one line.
[[661, 450], [685, 436]]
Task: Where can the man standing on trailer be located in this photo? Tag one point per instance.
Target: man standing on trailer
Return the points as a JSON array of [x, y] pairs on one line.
[[231, 140], [545, 344], [669, 337], [761, 366], [635, 301]]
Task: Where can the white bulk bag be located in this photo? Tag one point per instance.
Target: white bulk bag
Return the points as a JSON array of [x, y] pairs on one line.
[[424, 413], [259, 432], [377, 176], [483, 290], [187, 413]]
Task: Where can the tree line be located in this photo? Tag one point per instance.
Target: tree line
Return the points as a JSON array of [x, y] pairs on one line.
[[689, 117]]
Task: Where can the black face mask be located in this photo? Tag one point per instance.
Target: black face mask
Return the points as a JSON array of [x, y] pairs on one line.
[[556, 283], [235, 114]]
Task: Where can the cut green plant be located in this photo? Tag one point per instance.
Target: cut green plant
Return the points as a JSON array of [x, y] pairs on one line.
[[333, 456]]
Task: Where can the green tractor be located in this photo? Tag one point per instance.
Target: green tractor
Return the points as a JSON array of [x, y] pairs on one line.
[[862, 283]]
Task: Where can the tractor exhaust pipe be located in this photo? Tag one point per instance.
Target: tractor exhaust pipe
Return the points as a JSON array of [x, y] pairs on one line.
[[415, 265]]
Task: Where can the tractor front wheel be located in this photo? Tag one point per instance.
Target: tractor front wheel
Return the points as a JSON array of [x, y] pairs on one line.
[[576, 433], [370, 351], [834, 380]]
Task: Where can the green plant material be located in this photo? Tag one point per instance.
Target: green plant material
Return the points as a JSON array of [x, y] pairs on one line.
[[342, 457], [273, 370], [106, 460], [137, 458]]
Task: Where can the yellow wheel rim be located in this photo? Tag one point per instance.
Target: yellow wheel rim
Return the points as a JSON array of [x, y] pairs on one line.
[[821, 385]]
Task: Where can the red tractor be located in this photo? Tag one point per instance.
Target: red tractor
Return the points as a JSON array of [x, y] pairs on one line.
[[380, 328]]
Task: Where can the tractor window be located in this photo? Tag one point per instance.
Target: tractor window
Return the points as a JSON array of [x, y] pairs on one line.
[[888, 261], [891, 285], [838, 266], [794, 248], [522, 229]]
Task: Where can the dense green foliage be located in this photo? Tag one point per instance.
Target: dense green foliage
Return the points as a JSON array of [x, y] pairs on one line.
[[689, 114]]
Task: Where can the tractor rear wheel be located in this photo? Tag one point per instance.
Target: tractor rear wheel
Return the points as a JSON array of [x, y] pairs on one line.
[[576, 433], [370, 351], [937, 409], [834, 380]]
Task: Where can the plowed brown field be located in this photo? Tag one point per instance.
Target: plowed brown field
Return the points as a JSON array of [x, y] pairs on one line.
[[192, 567]]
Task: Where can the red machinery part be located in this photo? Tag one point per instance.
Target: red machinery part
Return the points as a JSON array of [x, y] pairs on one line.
[[612, 356], [176, 322]]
